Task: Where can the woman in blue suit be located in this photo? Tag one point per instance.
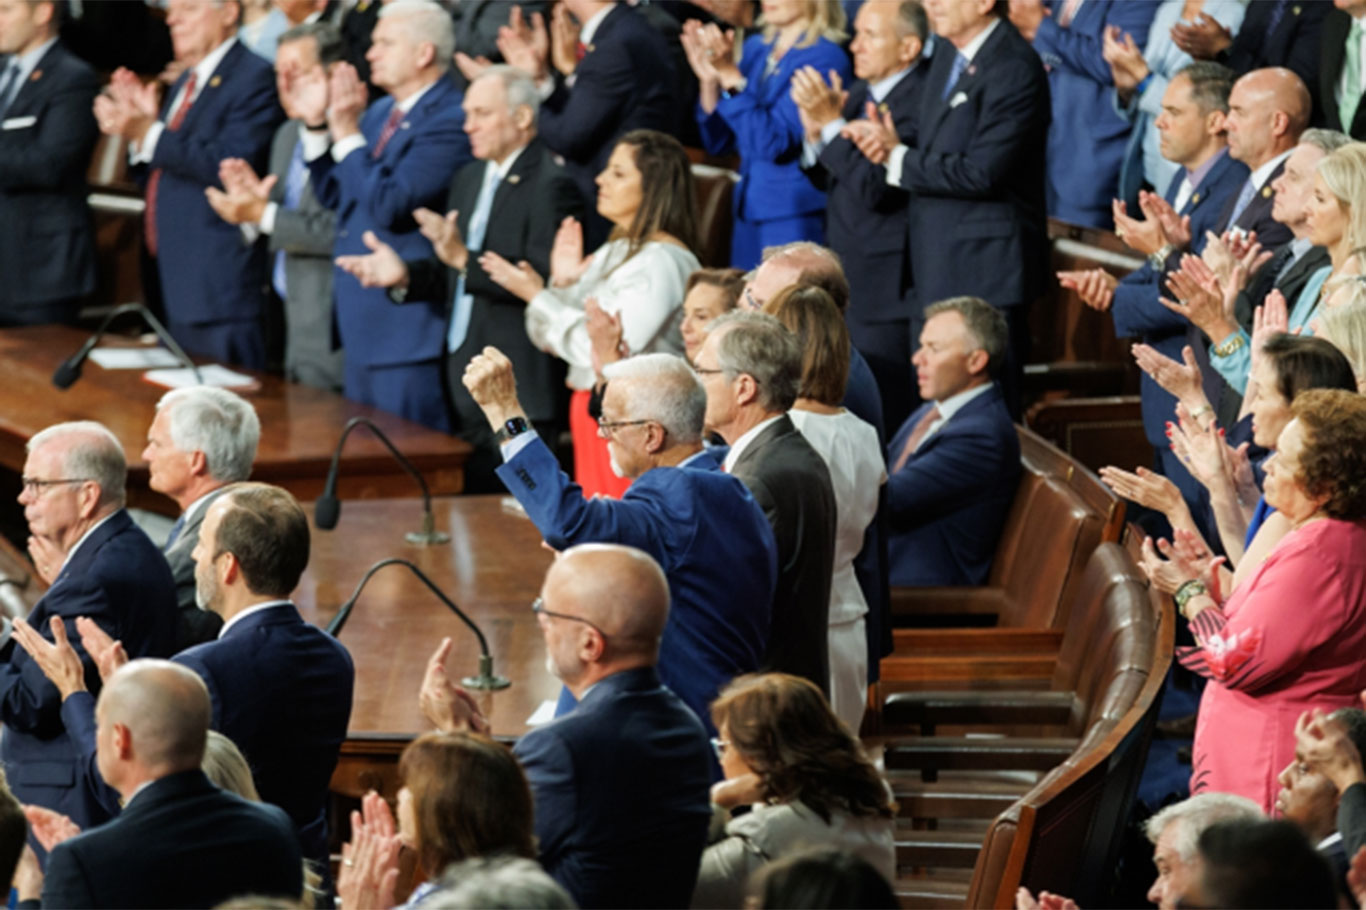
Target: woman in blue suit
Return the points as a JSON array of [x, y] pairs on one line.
[[747, 109]]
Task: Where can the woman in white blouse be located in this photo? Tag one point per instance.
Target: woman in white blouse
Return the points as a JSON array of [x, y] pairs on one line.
[[851, 452], [636, 280]]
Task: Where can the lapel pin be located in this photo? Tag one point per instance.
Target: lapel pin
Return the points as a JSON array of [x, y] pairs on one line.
[[1294, 10], [37, 74], [588, 48], [883, 108], [215, 82], [1266, 192], [1195, 200], [972, 69], [514, 179]]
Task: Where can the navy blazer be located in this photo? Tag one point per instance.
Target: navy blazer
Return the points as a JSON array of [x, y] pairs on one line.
[[977, 217], [207, 273], [182, 842], [1294, 44], [1137, 311], [1087, 139], [621, 789], [762, 125], [47, 239], [950, 499], [624, 82], [369, 194], [706, 532], [119, 579]]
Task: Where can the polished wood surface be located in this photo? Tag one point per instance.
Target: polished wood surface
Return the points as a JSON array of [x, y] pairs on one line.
[[299, 424], [492, 568]]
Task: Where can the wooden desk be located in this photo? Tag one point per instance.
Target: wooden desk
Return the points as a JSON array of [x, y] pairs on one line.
[[299, 425], [492, 568]]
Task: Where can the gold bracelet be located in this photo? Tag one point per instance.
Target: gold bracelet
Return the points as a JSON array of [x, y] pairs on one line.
[[1228, 347]]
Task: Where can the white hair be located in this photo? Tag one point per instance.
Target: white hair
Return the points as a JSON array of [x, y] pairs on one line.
[[427, 23], [520, 89], [217, 422], [663, 387], [1196, 814], [98, 456], [500, 882]]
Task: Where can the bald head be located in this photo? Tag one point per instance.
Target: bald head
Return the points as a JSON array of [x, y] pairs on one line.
[[800, 262], [619, 589], [165, 709], [1268, 109]]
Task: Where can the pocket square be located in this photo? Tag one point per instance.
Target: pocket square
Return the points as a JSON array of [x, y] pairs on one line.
[[18, 123], [957, 100]]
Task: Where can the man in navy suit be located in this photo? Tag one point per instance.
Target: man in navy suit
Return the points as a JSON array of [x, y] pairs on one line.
[[375, 167], [99, 565], [47, 133], [701, 525], [955, 463], [180, 841], [1087, 138], [252, 549], [1278, 33], [865, 219], [222, 106], [621, 783], [976, 174]]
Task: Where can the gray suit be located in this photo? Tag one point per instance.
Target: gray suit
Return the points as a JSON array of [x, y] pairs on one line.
[[306, 235], [193, 624]]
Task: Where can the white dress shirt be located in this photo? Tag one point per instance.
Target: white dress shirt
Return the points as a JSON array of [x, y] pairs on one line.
[[142, 152]]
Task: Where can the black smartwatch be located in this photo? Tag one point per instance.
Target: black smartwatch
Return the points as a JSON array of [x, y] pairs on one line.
[[514, 427]]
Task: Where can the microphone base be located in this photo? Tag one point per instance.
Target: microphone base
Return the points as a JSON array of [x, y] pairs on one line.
[[486, 682], [427, 538]]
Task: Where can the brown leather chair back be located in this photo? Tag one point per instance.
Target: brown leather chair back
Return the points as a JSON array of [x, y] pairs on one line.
[[714, 187], [1042, 562]]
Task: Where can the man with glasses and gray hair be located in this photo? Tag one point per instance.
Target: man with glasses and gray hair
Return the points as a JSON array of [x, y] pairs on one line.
[[99, 565], [701, 526]]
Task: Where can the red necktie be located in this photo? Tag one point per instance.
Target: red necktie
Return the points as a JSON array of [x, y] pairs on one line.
[[390, 127], [153, 181], [922, 427], [580, 50]]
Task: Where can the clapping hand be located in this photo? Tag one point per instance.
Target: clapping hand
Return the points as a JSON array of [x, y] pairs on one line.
[[526, 46], [347, 100], [1203, 39], [564, 40], [50, 828], [519, 280], [1145, 487], [1323, 744], [381, 268], [106, 650], [1095, 287], [1146, 237], [1127, 66], [369, 868], [244, 195], [817, 103], [127, 107], [444, 234], [1046, 901], [567, 261], [874, 135], [305, 94], [1181, 380], [1268, 320], [48, 557], [1176, 228], [1186, 558], [604, 332], [57, 659], [695, 50], [1201, 299]]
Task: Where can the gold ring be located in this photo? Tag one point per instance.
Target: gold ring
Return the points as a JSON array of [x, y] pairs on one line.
[[348, 862]]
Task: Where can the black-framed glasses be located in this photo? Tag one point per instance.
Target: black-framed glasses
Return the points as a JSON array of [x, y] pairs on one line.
[[718, 745], [607, 427], [35, 485], [538, 606]]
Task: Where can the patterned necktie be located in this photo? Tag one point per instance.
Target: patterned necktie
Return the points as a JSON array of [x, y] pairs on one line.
[[1351, 92], [474, 240], [295, 178], [154, 180], [1244, 200], [1277, 14], [960, 63], [922, 428], [390, 127]]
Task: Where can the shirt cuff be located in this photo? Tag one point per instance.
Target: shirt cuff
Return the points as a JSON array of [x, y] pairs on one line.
[[249, 232], [148, 146], [267, 222], [545, 87], [343, 147], [894, 161], [315, 142], [516, 444]]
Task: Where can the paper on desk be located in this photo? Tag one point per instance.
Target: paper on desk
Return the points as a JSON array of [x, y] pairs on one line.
[[133, 358], [212, 373], [543, 714]]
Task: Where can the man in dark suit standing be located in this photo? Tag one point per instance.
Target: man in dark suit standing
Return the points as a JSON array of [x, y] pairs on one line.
[[374, 167], [620, 784], [1340, 85], [955, 463], [99, 565], [976, 175], [201, 440], [703, 528], [1274, 33], [865, 219], [510, 200], [47, 133], [300, 232], [180, 841], [222, 106], [751, 366]]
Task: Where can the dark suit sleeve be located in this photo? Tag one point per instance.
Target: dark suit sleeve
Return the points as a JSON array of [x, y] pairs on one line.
[[1352, 818], [549, 768], [869, 181], [66, 883], [562, 199], [310, 233], [427, 280], [391, 190], [44, 157], [943, 472], [1137, 310], [78, 716], [247, 131], [578, 122]]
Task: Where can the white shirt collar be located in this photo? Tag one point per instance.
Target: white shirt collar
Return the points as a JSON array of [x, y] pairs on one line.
[[407, 104], [199, 504], [1260, 176], [590, 28], [503, 168], [86, 536], [691, 458], [883, 87], [738, 447], [1329, 841], [203, 70], [254, 608], [975, 44], [955, 403]]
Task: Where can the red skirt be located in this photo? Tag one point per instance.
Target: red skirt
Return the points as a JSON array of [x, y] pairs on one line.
[[592, 462]]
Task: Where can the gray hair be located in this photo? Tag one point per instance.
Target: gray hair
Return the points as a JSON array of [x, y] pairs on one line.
[[219, 423], [1196, 814], [986, 325], [520, 89], [1326, 141], [760, 345], [498, 883], [663, 387], [911, 20], [94, 454], [427, 23], [327, 40]]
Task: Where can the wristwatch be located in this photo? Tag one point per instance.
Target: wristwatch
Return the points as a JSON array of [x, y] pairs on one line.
[[514, 427], [1158, 258], [1193, 588]]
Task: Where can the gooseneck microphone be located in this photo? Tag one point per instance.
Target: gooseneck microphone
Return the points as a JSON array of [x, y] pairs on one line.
[[486, 678], [69, 370], [327, 509]]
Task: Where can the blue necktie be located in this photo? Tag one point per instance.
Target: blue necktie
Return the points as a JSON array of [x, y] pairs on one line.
[[295, 178], [1244, 200], [11, 84], [175, 532], [960, 63], [474, 240]]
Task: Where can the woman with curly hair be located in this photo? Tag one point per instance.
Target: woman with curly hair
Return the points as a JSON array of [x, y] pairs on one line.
[[807, 779], [1291, 636]]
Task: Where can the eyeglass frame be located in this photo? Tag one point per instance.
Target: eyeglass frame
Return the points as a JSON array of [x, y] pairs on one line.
[[719, 747], [538, 607], [37, 487], [607, 427]]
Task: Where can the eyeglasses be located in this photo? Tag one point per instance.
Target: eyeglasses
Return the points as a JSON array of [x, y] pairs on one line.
[[35, 486], [538, 607], [751, 301], [703, 371], [718, 745], [606, 427]]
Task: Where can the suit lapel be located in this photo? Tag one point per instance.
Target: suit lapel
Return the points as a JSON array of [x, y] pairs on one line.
[[209, 91], [778, 428], [972, 74], [35, 87]]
